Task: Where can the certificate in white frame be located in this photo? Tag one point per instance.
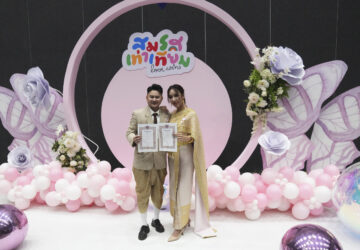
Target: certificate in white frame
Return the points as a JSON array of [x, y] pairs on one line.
[[149, 138], [167, 140]]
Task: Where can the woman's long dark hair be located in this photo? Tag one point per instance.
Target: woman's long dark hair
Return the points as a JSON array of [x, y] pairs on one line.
[[178, 89]]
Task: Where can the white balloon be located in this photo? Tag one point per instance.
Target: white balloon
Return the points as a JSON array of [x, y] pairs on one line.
[[93, 192], [107, 192], [61, 184], [83, 180], [232, 190], [5, 186], [52, 199], [310, 181], [73, 192], [42, 183], [246, 178], [299, 176], [213, 171], [11, 195], [37, 170], [284, 205], [22, 203], [28, 192], [322, 194], [291, 190], [252, 214], [274, 203], [3, 167]]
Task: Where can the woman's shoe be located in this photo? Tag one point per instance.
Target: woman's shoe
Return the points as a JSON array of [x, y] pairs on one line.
[[177, 233]]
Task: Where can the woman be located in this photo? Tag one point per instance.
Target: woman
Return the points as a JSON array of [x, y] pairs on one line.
[[189, 157]]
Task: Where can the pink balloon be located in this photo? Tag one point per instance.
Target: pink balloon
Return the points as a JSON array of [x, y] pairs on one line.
[[306, 191], [315, 173], [85, 198], [287, 172], [111, 206], [324, 180], [262, 201], [122, 174], [11, 174], [55, 174], [257, 176], [233, 172], [73, 205], [328, 204], [216, 189], [124, 187], [300, 211], [38, 199], [69, 176], [273, 192], [23, 180], [332, 170], [55, 164], [212, 204], [248, 193], [98, 202], [128, 204], [260, 186], [317, 211], [269, 175], [239, 204]]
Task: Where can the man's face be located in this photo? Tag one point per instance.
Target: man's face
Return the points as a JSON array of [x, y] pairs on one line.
[[154, 99]]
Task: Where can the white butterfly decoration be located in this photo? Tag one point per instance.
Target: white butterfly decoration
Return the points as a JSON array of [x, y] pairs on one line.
[[337, 124], [33, 126]]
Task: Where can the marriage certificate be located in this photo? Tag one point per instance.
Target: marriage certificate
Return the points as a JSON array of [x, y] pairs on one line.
[[167, 140], [149, 137]]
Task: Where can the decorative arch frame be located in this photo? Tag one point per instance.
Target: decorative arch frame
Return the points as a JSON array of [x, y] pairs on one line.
[[116, 11]]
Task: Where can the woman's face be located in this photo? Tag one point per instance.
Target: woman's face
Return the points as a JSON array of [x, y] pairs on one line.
[[176, 98]]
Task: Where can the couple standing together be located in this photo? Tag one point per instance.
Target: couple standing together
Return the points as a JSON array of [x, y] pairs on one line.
[[149, 169]]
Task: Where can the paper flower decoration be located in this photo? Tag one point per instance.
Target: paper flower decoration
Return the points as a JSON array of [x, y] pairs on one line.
[[274, 142]]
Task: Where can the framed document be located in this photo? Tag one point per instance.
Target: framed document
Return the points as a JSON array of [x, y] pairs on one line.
[[149, 135], [167, 140]]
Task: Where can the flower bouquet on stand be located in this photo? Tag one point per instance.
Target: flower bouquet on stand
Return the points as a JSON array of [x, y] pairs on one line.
[[274, 72], [70, 154]]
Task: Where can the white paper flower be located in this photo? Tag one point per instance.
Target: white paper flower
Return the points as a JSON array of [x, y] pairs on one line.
[[20, 157], [69, 143], [274, 142], [262, 84]]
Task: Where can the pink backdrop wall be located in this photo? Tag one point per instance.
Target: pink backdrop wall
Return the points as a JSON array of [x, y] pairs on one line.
[[204, 92]]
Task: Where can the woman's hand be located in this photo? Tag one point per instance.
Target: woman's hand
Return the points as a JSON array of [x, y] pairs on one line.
[[183, 138]]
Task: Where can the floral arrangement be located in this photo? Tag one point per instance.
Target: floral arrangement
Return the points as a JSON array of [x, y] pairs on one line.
[[70, 153], [275, 71]]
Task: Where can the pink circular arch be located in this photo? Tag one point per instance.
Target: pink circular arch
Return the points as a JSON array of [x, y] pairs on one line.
[[116, 11]]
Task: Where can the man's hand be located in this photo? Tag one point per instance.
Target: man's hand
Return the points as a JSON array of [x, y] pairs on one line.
[[137, 139]]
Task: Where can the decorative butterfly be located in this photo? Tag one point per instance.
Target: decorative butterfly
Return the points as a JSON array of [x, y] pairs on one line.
[[337, 124], [31, 125]]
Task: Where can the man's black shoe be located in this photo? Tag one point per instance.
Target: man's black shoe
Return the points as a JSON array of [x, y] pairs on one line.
[[158, 226], [144, 230]]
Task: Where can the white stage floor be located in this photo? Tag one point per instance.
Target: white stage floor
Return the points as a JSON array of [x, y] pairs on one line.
[[96, 228]]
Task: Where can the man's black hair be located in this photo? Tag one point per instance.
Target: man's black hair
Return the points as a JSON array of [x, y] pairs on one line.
[[156, 87]]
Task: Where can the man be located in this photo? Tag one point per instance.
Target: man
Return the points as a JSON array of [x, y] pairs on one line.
[[149, 168]]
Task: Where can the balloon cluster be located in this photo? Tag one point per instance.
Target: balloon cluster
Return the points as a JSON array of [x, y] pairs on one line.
[[53, 185], [282, 189]]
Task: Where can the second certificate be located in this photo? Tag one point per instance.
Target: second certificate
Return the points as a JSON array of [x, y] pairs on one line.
[[167, 140]]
